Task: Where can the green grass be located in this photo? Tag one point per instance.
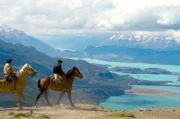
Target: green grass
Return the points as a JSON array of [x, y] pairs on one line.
[[122, 114], [11, 113], [45, 116], [20, 114]]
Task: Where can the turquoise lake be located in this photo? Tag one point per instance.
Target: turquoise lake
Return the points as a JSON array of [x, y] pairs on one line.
[[153, 77], [128, 102], [172, 68]]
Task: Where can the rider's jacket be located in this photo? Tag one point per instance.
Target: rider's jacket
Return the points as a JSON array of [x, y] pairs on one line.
[[8, 69]]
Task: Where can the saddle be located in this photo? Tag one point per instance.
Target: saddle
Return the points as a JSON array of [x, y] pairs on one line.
[[10, 78], [58, 80], [61, 81]]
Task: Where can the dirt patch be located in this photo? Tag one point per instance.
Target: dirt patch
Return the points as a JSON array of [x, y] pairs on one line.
[[85, 111]]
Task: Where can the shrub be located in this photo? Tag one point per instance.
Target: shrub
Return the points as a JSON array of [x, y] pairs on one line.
[[20, 114], [11, 113], [122, 114]]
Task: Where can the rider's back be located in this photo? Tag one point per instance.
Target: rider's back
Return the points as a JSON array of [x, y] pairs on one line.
[[8, 69]]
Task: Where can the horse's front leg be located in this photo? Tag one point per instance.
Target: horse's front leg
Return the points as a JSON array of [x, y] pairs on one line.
[[60, 97], [19, 100], [69, 96], [22, 97]]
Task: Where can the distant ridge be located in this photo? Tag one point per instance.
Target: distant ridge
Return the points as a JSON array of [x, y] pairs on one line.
[[15, 36], [143, 41]]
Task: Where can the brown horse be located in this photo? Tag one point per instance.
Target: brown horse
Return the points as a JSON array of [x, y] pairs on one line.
[[66, 87], [22, 76]]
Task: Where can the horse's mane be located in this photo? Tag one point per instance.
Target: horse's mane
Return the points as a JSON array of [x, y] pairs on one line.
[[24, 67], [70, 73]]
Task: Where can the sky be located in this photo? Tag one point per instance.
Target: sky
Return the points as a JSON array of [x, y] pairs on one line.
[[92, 16]]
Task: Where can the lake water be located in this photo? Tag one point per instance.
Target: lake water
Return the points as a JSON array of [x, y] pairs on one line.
[[128, 102], [153, 77], [171, 68]]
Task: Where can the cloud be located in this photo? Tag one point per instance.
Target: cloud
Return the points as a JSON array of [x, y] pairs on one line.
[[155, 18], [55, 16]]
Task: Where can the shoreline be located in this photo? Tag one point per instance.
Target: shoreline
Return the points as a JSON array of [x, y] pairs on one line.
[[139, 91]]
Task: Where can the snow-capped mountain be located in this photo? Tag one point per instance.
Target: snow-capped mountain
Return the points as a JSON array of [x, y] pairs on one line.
[[147, 42], [15, 36], [5, 28]]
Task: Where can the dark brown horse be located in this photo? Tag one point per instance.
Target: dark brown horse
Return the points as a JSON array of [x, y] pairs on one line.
[[66, 87]]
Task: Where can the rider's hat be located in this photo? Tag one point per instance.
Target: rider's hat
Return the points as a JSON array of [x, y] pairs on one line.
[[60, 61], [9, 60]]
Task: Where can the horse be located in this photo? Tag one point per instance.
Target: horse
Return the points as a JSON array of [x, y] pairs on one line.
[[46, 83], [22, 75]]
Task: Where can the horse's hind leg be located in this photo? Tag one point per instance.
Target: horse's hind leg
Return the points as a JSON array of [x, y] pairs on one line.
[[46, 97], [41, 92]]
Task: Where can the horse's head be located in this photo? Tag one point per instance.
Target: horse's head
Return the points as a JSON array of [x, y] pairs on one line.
[[29, 69], [77, 73], [74, 72]]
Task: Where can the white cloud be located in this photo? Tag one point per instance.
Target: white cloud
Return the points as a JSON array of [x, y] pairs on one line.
[[55, 16], [170, 17]]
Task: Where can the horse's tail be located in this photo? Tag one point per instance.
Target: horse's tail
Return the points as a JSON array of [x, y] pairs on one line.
[[39, 86]]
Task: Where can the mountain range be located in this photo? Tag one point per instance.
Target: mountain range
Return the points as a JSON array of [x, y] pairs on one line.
[[79, 42], [145, 42], [125, 48], [16, 36], [127, 54]]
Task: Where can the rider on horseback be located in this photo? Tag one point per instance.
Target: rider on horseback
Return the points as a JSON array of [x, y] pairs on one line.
[[58, 72], [9, 74]]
